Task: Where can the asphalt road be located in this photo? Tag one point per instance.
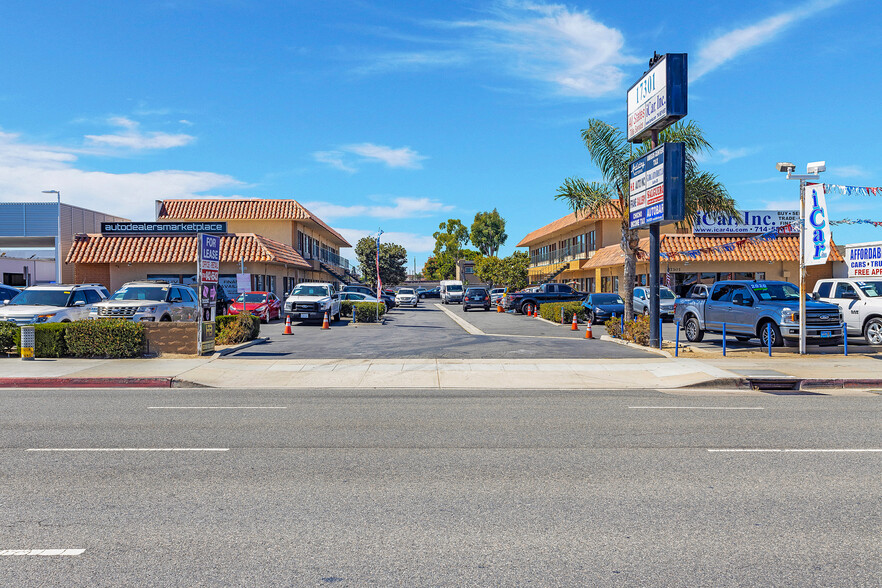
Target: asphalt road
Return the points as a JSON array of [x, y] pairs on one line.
[[427, 332], [392, 488]]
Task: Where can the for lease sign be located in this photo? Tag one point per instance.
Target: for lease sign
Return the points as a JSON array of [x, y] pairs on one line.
[[864, 259], [209, 258]]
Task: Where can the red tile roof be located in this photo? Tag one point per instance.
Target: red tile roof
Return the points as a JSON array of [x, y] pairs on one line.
[[782, 248], [608, 212], [241, 209], [179, 249]]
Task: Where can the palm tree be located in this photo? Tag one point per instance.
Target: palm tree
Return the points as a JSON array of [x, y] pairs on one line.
[[611, 153]]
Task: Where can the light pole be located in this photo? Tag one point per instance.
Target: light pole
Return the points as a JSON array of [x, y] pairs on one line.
[[813, 170], [57, 237]]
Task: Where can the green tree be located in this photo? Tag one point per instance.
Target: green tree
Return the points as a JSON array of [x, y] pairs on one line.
[[490, 269], [451, 237], [393, 261], [611, 153], [515, 270], [488, 232]]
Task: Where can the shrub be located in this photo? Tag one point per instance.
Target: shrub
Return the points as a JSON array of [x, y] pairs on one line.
[[48, 339], [367, 312], [112, 338], [8, 332], [236, 329], [551, 311], [614, 327], [636, 330], [346, 307]]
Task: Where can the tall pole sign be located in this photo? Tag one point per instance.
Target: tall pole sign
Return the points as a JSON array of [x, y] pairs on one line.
[[657, 180], [207, 270]]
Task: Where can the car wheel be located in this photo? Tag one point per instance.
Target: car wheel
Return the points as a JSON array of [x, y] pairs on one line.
[[646, 311], [337, 316], [465, 308], [165, 319], [592, 319], [873, 331], [693, 330], [774, 333]]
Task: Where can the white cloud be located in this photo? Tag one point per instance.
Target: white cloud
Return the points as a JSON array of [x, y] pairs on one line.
[[386, 62], [347, 157], [725, 155], [403, 208], [730, 45], [849, 171], [413, 242], [132, 138], [26, 169]]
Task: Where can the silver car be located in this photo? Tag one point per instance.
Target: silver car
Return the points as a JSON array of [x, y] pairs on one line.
[[152, 301], [665, 303], [52, 303]]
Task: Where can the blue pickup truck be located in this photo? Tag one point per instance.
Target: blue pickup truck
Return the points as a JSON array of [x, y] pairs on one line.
[[757, 309]]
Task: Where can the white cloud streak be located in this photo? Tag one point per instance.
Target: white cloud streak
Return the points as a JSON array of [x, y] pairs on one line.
[[402, 208], [347, 157], [413, 242], [849, 171], [131, 137], [728, 46]]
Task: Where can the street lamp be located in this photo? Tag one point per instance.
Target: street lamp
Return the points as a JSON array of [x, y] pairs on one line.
[[813, 170], [57, 238]]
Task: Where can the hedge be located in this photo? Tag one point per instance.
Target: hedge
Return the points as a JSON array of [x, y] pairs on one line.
[[636, 330], [111, 338], [49, 340], [224, 321], [551, 311], [8, 332], [367, 312]]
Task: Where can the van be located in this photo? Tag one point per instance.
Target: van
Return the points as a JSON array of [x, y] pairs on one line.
[[451, 291]]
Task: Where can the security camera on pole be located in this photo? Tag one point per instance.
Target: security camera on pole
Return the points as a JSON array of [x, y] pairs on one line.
[[657, 191]]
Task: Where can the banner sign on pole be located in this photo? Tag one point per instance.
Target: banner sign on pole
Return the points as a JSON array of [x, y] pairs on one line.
[[817, 227], [658, 99], [753, 221], [864, 259], [658, 187], [207, 273], [243, 283]]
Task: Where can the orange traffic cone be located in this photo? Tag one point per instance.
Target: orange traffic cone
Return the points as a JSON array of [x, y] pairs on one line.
[[326, 324], [288, 330], [498, 306], [575, 326], [536, 311], [588, 333]]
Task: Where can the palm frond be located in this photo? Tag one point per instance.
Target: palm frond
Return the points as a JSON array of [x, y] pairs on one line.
[[608, 149], [586, 198], [705, 193]]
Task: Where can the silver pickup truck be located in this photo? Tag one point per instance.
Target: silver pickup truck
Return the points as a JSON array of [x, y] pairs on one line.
[[767, 310]]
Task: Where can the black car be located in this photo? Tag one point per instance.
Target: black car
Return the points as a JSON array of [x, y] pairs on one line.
[[476, 297], [433, 293], [602, 307], [389, 300]]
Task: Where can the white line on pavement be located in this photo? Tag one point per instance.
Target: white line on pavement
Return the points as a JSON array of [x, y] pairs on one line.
[[795, 450], [699, 407], [467, 326], [41, 551], [130, 449], [217, 407]]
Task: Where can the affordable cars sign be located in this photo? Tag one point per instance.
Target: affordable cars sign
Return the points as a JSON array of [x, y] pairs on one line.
[[658, 99], [864, 259], [658, 187]]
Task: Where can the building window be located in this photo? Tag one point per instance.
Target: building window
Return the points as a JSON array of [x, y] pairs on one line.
[[592, 244], [468, 269]]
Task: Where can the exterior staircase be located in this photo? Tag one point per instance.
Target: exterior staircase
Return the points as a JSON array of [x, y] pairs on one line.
[[548, 277], [334, 272]]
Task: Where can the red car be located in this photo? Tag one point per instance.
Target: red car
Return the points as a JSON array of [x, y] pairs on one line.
[[264, 305]]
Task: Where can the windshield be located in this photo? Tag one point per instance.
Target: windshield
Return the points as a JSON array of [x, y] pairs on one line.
[[608, 299], [310, 291], [251, 298], [141, 293], [454, 288], [476, 292], [405, 291], [871, 289], [780, 291], [666, 295], [41, 298]]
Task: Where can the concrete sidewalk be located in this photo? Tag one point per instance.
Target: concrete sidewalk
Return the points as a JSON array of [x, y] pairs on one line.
[[665, 373]]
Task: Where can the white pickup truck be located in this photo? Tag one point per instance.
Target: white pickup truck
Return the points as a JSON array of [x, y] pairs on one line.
[[310, 301], [860, 302]]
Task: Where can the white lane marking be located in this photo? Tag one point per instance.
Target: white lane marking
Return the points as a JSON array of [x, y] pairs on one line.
[[130, 449], [795, 450], [217, 407], [41, 551], [467, 326], [700, 407]]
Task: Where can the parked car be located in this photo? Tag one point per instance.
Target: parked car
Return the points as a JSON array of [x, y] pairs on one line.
[[264, 305], [496, 295], [451, 291], [53, 303], [407, 296], [860, 302], [535, 296], [768, 310], [149, 300], [7, 293], [666, 300], [420, 292], [476, 297], [360, 297], [432, 293], [603, 306], [389, 300], [310, 301]]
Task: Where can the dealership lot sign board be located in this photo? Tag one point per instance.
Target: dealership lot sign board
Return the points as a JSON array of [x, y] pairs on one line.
[[658, 99], [752, 222], [658, 187], [864, 260]]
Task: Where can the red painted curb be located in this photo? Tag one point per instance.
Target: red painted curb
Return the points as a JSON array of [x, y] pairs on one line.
[[86, 382]]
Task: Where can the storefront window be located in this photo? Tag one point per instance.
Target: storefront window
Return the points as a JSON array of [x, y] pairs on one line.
[[172, 278]]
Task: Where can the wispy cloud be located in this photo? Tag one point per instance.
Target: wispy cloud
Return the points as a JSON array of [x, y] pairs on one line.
[[402, 208], [347, 157], [849, 171], [413, 242], [725, 155], [408, 61], [26, 168], [728, 46], [131, 137]]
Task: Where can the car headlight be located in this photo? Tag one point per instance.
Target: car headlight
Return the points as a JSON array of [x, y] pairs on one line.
[[150, 309], [42, 318], [788, 316]]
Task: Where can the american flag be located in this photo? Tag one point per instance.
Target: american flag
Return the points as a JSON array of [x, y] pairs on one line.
[[379, 282]]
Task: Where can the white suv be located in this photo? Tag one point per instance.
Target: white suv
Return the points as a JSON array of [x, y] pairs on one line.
[[310, 301], [53, 303], [150, 300]]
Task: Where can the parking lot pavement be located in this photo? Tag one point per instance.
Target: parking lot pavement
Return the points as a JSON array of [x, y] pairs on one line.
[[427, 332]]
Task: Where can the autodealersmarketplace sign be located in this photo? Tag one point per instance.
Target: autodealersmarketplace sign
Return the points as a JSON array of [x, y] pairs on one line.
[[752, 222], [864, 259]]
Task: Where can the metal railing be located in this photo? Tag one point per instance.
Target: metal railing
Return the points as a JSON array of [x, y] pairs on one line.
[[326, 256], [577, 251]]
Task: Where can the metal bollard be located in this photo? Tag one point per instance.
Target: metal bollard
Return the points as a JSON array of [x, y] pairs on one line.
[[28, 342], [677, 341], [769, 337], [724, 339], [845, 339], [623, 325], [661, 323], [561, 315]]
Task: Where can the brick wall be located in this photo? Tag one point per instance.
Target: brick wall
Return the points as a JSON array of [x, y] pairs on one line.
[[171, 338], [92, 273]]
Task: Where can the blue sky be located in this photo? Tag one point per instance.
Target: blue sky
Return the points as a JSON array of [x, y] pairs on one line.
[[400, 115]]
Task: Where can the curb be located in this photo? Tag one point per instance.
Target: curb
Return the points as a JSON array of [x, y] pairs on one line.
[[635, 346], [86, 382], [240, 347]]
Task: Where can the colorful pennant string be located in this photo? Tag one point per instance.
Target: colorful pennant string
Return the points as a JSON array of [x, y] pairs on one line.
[[732, 246], [856, 221], [852, 190]]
